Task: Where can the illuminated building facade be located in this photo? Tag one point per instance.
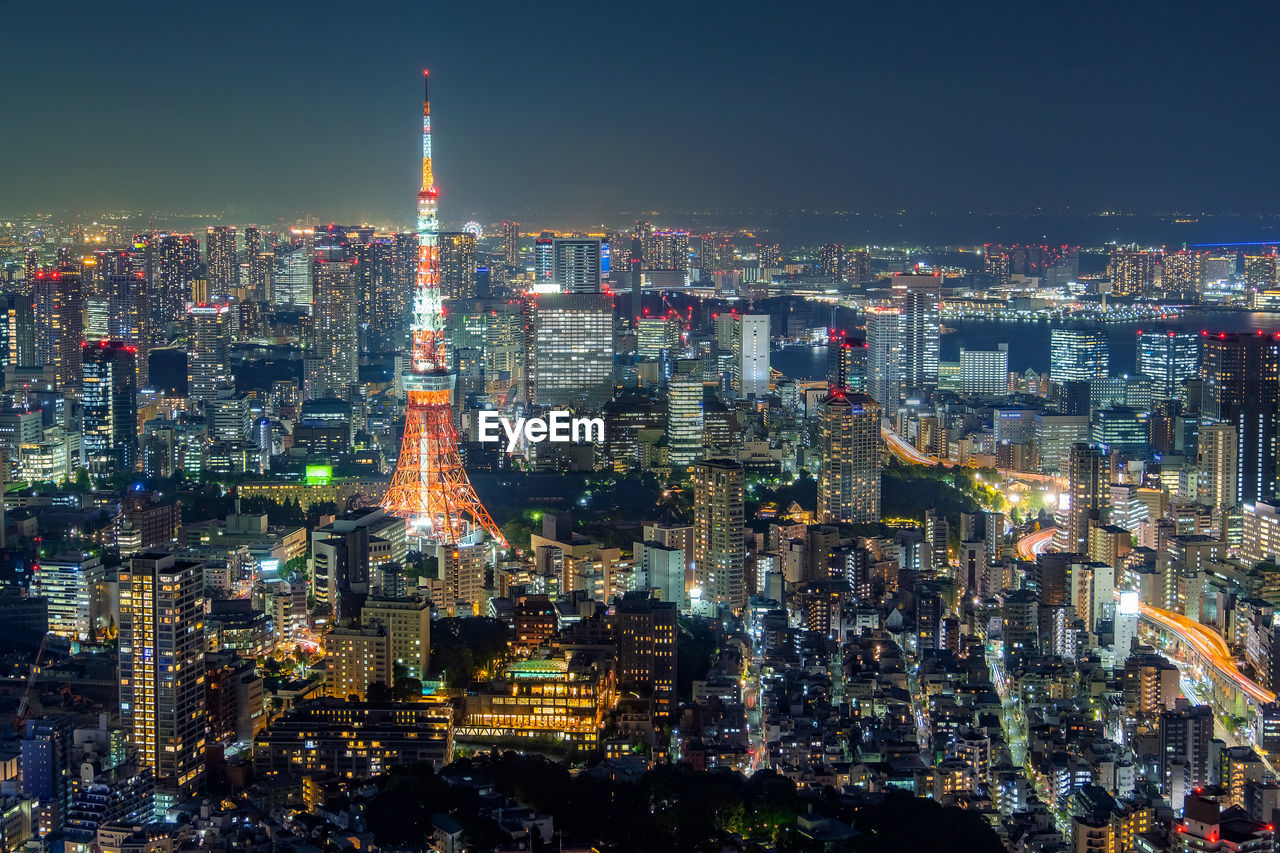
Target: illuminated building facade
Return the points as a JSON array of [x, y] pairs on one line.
[[208, 352], [336, 312], [849, 444], [162, 691], [751, 355], [220, 258], [1169, 360], [109, 394], [561, 699], [1078, 355], [571, 351], [457, 265], [575, 264], [719, 549], [354, 740]]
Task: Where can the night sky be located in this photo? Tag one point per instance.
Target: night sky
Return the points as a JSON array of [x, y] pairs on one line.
[[582, 110]]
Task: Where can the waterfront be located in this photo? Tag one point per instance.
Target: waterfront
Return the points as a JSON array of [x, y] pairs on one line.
[[1029, 341]]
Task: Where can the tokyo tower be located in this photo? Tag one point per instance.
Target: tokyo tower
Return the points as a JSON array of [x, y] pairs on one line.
[[430, 489]]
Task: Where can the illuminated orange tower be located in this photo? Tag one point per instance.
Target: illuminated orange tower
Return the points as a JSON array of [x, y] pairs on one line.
[[430, 489]]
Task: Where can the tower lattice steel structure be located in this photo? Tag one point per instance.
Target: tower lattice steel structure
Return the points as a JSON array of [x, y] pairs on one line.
[[430, 489]]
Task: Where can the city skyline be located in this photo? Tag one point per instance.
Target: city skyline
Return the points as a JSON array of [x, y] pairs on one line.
[[1028, 126]]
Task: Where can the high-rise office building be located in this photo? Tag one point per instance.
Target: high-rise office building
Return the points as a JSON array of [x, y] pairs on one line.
[[162, 693], [109, 394], [208, 354], [175, 266], [919, 298], [1169, 360], [1241, 375], [257, 265], [684, 418], [846, 361], [985, 371], [719, 549], [751, 355], [1087, 482], [511, 243], [570, 352], [20, 330], [221, 260], [74, 585], [1078, 355], [658, 337], [575, 264], [336, 316], [1218, 466], [543, 259], [457, 264], [849, 444], [68, 326], [884, 356]]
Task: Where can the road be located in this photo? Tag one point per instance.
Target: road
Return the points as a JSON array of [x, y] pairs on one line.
[[1034, 544], [1210, 645], [1203, 638], [905, 451]]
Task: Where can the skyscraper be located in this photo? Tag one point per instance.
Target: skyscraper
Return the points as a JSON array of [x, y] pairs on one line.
[[457, 264], [1086, 479], [162, 695], [846, 361], [831, 261], [1132, 272], [751, 355], [575, 264], [220, 258], [884, 356], [257, 263], [68, 327], [985, 371], [208, 355], [336, 314], [511, 243], [719, 549], [1241, 374], [20, 328], [571, 350], [109, 394], [684, 418], [175, 266], [658, 335], [849, 443], [1169, 360], [918, 297], [1078, 355], [1218, 466]]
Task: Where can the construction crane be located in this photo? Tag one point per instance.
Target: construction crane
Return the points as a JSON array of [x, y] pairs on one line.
[[24, 707]]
